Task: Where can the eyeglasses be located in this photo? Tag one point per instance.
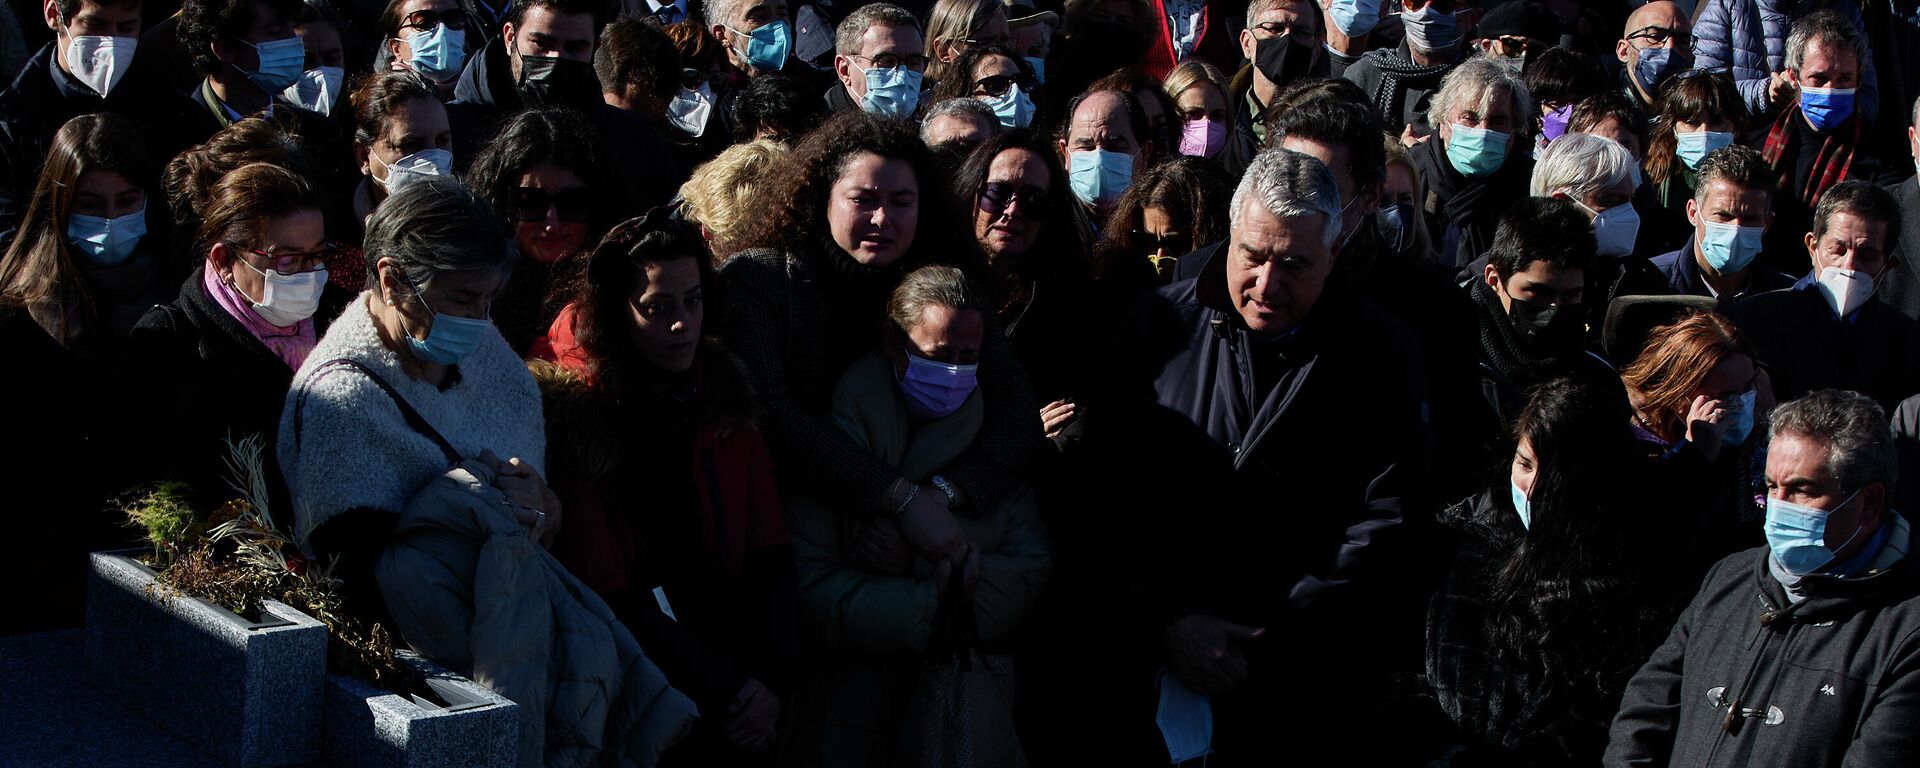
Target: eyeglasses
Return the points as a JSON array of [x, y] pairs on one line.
[[294, 262], [1149, 242], [453, 19], [1515, 45], [914, 63], [691, 79], [532, 204], [1655, 37], [997, 85], [979, 42], [997, 196], [1278, 29]]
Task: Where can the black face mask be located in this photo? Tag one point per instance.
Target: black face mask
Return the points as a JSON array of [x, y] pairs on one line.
[[1282, 60], [1547, 330], [551, 81]]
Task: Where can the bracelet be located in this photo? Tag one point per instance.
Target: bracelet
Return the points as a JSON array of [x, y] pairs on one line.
[[912, 491]]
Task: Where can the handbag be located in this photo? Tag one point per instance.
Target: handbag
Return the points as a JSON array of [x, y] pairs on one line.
[[961, 712]]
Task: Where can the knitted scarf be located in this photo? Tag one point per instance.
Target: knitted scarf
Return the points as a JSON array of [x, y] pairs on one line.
[[1829, 167]]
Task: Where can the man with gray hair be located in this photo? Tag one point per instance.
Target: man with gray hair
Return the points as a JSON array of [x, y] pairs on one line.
[[880, 60], [1801, 652], [962, 123], [1475, 164], [1293, 413]]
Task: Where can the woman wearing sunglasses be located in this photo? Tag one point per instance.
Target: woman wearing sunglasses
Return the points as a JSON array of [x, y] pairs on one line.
[[998, 78], [1034, 240], [544, 175], [1175, 208], [217, 362]]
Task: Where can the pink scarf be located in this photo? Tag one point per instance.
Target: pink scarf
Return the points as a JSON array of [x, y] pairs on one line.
[[291, 344]]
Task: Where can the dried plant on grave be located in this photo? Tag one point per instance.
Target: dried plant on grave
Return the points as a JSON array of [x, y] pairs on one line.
[[236, 558]]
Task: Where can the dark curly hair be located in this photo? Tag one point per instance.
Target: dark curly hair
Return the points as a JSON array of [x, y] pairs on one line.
[[204, 22], [1193, 190], [545, 136], [792, 205], [779, 101], [603, 314]]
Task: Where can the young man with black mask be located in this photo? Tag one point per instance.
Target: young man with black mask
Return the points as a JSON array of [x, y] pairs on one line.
[[1530, 298]]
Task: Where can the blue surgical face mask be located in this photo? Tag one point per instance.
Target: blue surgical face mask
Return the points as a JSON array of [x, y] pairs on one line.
[[1395, 222], [281, 62], [935, 390], [1185, 719], [1739, 410], [1099, 177], [438, 53], [767, 46], [1014, 108], [1797, 535], [1477, 151], [1729, 247], [1355, 17], [891, 92], [1521, 506], [107, 242], [1039, 69], [1651, 67], [1826, 108], [1694, 147], [1430, 29], [450, 339]]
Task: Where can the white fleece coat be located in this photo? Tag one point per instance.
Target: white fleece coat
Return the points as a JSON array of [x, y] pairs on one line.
[[354, 449]]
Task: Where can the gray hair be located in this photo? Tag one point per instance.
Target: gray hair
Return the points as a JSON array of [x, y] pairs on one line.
[[1480, 78], [846, 37], [1291, 185], [1833, 31], [931, 286], [1582, 164], [720, 12], [1254, 7], [434, 226], [964, 106], [1852, 427]]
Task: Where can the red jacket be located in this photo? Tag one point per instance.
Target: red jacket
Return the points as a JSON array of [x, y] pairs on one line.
[[1218, 41]]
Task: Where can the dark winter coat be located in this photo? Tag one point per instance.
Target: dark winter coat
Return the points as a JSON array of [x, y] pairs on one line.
[[1900, 286], [1832, 680], [1301, 461], [1461, 213], [1804, 347], [1684, 278]]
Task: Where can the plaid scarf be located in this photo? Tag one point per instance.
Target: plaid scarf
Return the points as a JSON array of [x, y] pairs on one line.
[[1829, 167]]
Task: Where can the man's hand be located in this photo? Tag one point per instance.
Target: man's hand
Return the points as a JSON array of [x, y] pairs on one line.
[[1781, 88], [752, 716], [1204, 656], [1411, 137], [1058, 415]]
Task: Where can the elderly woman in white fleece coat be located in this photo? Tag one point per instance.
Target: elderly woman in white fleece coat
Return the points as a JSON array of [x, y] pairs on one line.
[[417, 341]]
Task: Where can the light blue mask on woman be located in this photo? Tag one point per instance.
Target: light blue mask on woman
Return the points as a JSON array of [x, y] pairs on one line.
[[107, 242], [437, 53], [1694, 147], [1521, 506], [1477, 151], [450, 339], [891, 92]]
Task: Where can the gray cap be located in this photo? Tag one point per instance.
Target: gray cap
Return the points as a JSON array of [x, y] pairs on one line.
[[1022, 13]]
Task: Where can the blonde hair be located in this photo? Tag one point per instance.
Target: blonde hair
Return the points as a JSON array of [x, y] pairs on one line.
[[952, 21], [716, 196], [1194, 72], [1397, 154]]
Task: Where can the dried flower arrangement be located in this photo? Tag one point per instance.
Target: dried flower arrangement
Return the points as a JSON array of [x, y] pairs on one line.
[[235, 558]]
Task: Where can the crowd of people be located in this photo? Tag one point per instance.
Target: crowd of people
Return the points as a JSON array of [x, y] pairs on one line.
[[1009, 382]]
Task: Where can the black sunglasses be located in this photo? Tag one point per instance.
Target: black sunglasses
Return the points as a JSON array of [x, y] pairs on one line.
[[1148, 242], [997, 85], [454, 19], [997, 196], [532, 204]]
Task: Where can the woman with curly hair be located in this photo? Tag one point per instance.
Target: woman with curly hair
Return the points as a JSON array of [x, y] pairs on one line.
[[839, 222], [1175, 208], [545, 174]]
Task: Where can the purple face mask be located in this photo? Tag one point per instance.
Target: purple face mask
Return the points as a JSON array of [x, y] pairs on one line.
[[1553, 124], [935, 390], [1202, 138]]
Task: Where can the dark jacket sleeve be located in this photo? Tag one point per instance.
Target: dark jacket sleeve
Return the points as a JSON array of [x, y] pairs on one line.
[[1010, 438], [1886, 738], [1642, 733], [701, 672], [807, 445]]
